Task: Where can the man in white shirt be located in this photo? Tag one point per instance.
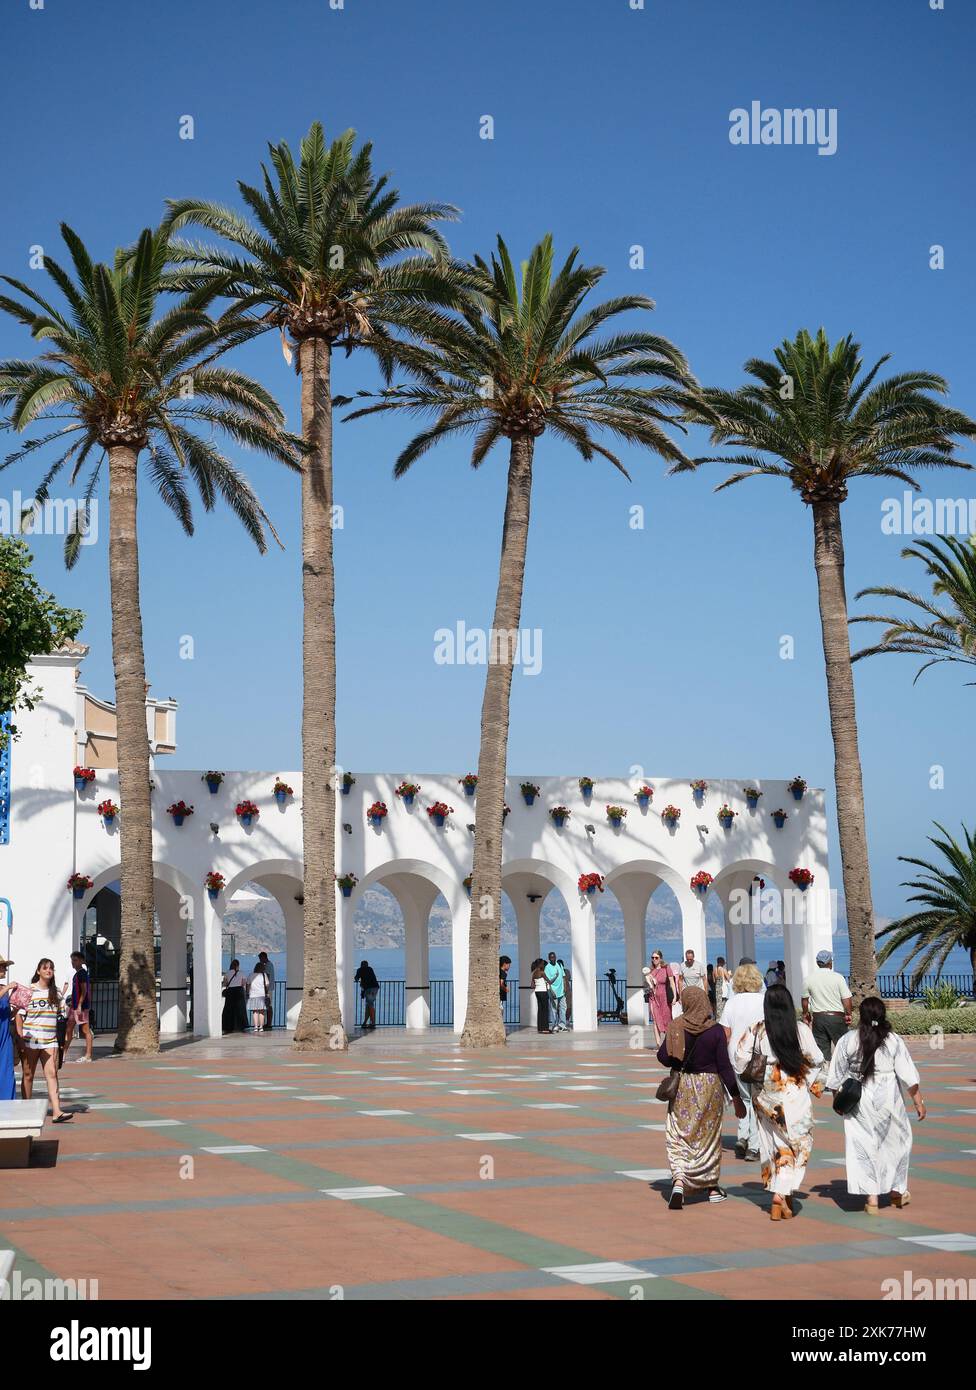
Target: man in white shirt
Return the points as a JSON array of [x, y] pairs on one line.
[[741, 1012], [827, 1004], [692, 972]]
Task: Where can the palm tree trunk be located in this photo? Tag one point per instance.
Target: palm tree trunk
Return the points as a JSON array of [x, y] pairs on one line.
[[320, 1022], [829, 560], [483, 1025], [138, 1031]]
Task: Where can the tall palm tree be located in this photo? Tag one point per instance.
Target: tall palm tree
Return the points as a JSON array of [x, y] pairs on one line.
[[941, 633], [323, 263], [816, 420], [947, 918], [131, 385], [523, 359]]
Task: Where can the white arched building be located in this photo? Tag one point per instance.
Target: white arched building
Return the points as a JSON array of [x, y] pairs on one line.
[[53, 830]]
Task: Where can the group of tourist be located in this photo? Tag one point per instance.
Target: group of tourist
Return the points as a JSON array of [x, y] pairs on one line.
[[552, 988], [37, 1026], [772, 1065], [248, 999]]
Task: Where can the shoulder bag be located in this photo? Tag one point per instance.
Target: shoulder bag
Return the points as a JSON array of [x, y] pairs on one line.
[[668, 1089], [754, 1072]]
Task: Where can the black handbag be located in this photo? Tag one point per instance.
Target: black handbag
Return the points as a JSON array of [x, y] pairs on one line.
[[668, 1088], [848, 1098]]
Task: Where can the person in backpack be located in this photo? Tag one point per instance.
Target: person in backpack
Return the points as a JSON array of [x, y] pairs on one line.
[[877, 1132]]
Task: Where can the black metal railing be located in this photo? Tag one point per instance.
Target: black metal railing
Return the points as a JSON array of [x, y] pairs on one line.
[[905, 987]]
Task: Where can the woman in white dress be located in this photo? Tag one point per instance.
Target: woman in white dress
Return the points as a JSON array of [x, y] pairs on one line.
[[878, 1133], [784, 1112]]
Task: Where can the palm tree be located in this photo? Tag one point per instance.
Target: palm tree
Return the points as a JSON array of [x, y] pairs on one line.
[[824, 424], [940, 633], [132, 385], [522, 360], [324, 266], [948, 917]]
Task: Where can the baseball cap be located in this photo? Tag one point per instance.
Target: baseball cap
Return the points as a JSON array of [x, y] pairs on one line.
[[824, 957]]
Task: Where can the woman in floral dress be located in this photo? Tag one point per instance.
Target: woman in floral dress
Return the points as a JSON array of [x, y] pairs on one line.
[[793, 1063]]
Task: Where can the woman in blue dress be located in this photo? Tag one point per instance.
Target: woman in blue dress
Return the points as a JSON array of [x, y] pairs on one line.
[[8, 1090]]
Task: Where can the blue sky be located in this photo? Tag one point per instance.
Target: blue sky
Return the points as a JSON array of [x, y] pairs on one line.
[[660, 646]]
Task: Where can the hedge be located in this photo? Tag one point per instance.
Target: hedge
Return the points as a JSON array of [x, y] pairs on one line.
[[921, 1021]]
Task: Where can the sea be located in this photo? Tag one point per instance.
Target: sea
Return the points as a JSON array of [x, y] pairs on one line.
[[389, 962]]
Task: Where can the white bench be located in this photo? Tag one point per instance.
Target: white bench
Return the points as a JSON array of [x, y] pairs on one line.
[[21, 1121]]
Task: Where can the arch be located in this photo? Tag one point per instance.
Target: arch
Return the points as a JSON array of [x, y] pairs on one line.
[[633, 884], [801, 935]]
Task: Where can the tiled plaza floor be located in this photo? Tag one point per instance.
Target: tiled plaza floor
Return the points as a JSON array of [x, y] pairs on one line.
[[409, 1169]]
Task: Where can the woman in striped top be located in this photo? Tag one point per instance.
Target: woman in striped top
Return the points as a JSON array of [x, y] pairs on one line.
[[41, 1036]]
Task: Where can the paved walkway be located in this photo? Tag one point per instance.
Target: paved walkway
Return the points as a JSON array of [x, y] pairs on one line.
[[410, 1169]]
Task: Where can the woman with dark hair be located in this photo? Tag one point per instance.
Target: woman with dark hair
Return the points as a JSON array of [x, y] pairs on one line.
[[878, 1132], [540, 988], [41, 1036], [791, 1070], [258, 990], [694, 1046], [234, 1017]]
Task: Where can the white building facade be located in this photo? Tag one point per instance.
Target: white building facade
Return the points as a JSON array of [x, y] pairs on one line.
[[54, 830]]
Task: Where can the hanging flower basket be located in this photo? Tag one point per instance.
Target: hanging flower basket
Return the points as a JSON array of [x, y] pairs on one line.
[[726, 816], [213, 781], [802, 878], [179, 811], [644, 796], [406, 791], [586, 786], [213, 882], [467, 882], [82, 776], [108, 811], [590, 883], [376, 813], [469, 782], [698, 790], [752, 795], [78, 885], [671, 815], [439, 812], [701, 882], [779, 818], [347, 781], [347, 883], [246, 811], [559, 815], [798, 786], [616, 815], [282, 792], [529, 791]]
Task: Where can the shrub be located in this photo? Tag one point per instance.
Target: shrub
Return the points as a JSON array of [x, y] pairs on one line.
[[918, 1022]]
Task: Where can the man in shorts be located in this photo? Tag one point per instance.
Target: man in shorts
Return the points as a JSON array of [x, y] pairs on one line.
[[80, 1007]]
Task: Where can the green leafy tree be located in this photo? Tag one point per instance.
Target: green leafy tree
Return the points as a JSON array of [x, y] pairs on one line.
[[524, 359], [129, 386], [815, 418], [946, 918], [939, 631], [32, 623], [330, 259]]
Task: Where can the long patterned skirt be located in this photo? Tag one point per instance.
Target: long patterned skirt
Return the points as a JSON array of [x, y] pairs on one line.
[[785, 1117], [694, 1131]]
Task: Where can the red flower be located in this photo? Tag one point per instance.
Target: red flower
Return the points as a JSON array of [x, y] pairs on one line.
[[247, 808], [588, 881], [701, 880], [86, 774], [440, 808]]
